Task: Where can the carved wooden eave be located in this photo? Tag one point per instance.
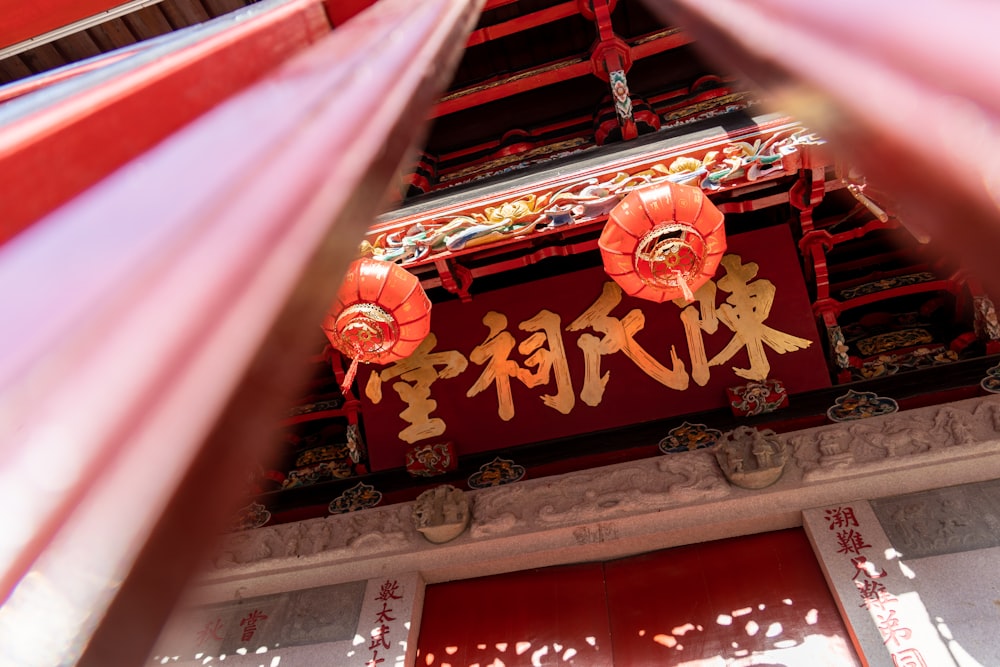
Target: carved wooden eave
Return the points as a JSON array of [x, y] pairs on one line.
[[622, 509], [432, 241]]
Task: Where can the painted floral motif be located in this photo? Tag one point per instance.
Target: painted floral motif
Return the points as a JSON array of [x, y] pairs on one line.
[[496, 472], [619, 89], [318, 406], [887, 284], [688, 437], [893, 340], [355, 444], [859, 405], [732, 164], [838, 346], [359, 497], [757, 398], [253, 515], [324, 471], [885, 365], [986, 318], [431, 460], [991, 382]]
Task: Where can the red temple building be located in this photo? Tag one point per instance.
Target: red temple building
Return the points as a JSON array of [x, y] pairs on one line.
[[655, 345]]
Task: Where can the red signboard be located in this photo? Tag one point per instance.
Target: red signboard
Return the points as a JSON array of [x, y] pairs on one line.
[[571, 354]]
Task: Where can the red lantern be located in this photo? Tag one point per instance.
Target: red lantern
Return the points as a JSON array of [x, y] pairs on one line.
[[663, 242], [381, 315]]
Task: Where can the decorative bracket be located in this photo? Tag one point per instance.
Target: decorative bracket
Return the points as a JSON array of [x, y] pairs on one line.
[[455, 278], [610, 59]]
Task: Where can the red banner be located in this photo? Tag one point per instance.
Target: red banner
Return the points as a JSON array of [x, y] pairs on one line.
[[571, 354]]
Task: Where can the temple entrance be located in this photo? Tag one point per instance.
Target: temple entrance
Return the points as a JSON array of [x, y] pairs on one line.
[[757, 600]]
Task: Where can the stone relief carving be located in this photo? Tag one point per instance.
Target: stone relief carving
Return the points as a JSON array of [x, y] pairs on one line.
[[750, 458], [952, 427], [835, 449], [585, 497], [372, 531], [942, 521], [828, 451], [441, 514], [989, 411], [600, 497], [501, 509]]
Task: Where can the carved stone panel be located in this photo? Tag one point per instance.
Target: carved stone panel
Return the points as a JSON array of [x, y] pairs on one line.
[[942, 521], [321, 615]]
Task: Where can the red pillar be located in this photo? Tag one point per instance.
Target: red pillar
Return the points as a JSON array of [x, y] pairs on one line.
[[154, 325]]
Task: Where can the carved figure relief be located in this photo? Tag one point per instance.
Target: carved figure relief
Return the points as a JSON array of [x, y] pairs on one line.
[[441, 514], [990, 412], [835, 449], [751, 459], [952, 427]]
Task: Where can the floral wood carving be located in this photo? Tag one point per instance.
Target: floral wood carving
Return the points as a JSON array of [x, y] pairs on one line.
[[725, 166]]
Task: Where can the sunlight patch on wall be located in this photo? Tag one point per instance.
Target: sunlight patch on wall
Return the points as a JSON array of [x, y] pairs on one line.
[[681, 630], [536, 657]]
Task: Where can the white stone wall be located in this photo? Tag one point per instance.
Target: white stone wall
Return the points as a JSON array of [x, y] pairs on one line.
[[349, 625], [916, 576]]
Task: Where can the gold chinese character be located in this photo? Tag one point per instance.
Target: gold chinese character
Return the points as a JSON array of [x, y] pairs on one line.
[[695, 324], [619, 336], [494, 353], [417, 373], [746, 308]]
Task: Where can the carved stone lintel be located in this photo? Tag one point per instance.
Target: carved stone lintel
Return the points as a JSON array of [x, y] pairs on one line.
[[562, 511]]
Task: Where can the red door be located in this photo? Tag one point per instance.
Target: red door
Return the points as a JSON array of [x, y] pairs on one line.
[[758, 600]]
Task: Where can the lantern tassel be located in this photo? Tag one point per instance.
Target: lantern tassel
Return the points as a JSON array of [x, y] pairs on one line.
[[349, 378], [688, 294]]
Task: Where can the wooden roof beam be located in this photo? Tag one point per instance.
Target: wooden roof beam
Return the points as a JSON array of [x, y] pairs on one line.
[[544, 75], [521, 23]]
